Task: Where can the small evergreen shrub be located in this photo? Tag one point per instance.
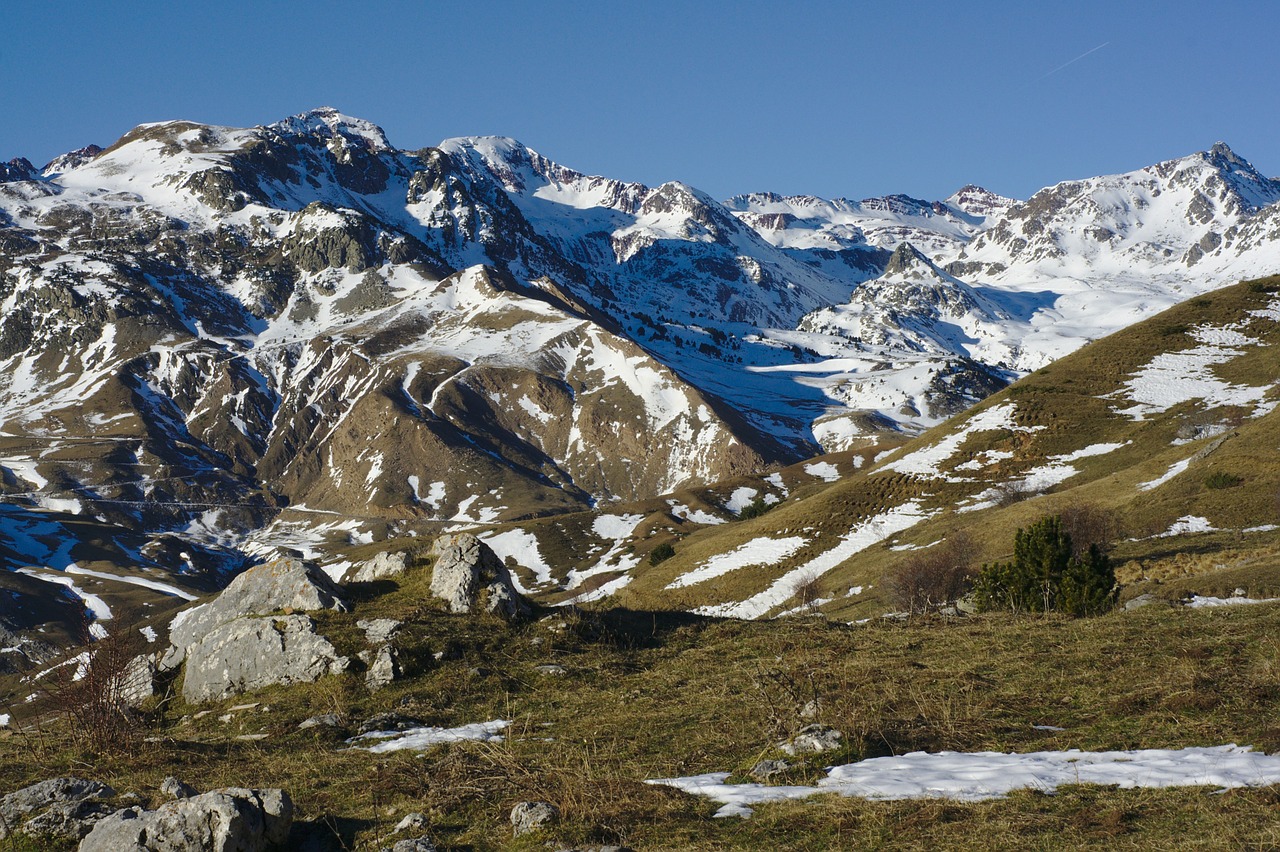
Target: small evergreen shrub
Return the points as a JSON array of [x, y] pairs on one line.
[[1046, 576], [661, 553], [1222, 479], [754, 509]]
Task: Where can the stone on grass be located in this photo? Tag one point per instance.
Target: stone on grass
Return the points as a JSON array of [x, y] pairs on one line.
[[379, 631], [417, 844], [176, 789], [527, 817], [416, 821], [228, 820], [68, 820], [250, 653], [285, 585], [381, 567], [324, 720], [469, 576], [813, 739], [384, 669], [767, 770]]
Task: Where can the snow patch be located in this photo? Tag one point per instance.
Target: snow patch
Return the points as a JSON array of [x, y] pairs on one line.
[[424, 738], [978, 776], [871, 531], [823, 470], [1188, 524], [758, 551]]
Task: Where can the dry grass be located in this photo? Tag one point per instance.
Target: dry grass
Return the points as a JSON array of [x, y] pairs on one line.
[[652, 695]]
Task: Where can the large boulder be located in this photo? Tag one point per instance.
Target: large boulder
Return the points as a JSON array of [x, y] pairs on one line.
[[285, 585], [61, 807], [469, 576], [251, 653], [381, 567], [228, 820]]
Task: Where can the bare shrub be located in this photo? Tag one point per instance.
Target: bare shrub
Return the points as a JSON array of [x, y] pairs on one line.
[[91, 690], [932, 578], [807, 592], [1013, 491], [1089, 525]]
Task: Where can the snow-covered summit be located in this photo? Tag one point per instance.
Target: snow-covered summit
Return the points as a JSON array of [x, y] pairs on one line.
[[327, 122]]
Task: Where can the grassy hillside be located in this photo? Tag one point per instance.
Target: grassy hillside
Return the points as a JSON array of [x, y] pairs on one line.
[[647, 695], [1170, 419]]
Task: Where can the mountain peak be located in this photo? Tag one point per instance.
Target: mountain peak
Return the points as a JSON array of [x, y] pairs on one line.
[[70, 160], [327, 121], [1222, 151], [905, 258], [18, 168]]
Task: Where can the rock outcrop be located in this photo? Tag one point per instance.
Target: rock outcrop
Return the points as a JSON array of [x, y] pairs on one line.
[[381, 567], [469, 577], [228, 820], [285, 585], [58, 807], [250, 653]]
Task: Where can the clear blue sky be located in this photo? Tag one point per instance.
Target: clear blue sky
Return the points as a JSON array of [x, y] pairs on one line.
[[829, 98]]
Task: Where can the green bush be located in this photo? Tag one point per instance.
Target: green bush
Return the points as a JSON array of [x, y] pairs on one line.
[[661, 553], [1222, 479], [1045, 575], [754, 509]]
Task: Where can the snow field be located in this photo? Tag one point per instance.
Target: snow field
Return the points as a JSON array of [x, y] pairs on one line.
[[991, 775]]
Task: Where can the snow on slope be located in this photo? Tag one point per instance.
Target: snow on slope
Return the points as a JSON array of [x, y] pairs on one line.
[[977, 776]]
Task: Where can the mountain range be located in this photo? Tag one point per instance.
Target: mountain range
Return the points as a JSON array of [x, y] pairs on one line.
[[221, 344]]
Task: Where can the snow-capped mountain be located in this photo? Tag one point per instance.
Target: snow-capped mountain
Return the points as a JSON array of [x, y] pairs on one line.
[[220, 340]]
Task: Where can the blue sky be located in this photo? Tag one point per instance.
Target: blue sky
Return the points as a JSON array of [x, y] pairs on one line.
[[833, 99]]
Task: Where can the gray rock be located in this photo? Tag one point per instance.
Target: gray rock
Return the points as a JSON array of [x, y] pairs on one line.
[[324, 720], [68, 820], [415, 821], [379, 631], [283, 585], [138, 680], [1146, 600], [813, 739], [39, 797], [551, 669], [228, 820], [381, 567], [384, 669], [175, 789], [389, 722], [250, 653], [533, 816], [417, 844], [468, 575], [767, 770]]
